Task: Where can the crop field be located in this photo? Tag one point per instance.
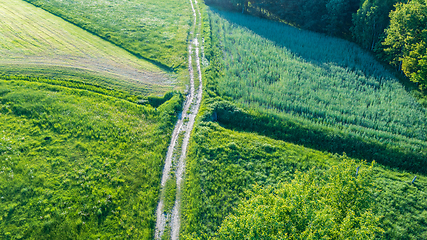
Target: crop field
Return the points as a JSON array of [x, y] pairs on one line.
[[75, 164], [223, 164], [155, 30], [281, 71], [32, 39]]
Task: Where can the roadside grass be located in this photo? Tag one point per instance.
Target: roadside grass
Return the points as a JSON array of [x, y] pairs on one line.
[[35, 42], [75, 164], [154, 30], [223, 164]]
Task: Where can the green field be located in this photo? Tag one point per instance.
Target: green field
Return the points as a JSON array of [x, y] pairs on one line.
[[223, 164], [283, 69], [77, 164], [337, 96], [154, 30], [32, 39]]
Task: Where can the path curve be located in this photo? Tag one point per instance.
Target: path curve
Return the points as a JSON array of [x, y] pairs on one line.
[[189, 113]]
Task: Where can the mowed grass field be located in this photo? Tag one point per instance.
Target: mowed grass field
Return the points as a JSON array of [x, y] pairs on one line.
[[32, 39], [155, 30]]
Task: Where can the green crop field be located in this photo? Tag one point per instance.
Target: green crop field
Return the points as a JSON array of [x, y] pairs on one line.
[[75, 164], [317, 82], [155, 30], [224, 164], [274, 66], [32, 39]]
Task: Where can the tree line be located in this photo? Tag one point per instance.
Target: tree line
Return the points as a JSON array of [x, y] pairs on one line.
[[396, 30]]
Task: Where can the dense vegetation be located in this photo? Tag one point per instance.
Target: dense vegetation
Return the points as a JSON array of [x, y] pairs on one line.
[[154, 30], [335, 98], [333, 204], [224, 164], [394, 29], [76, 164]]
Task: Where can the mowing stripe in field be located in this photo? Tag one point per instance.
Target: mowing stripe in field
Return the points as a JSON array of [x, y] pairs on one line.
[[29, 35]]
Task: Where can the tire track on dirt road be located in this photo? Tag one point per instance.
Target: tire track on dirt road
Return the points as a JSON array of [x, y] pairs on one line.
[[184, 126]]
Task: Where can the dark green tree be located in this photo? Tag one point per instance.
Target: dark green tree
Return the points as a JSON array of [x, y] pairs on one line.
[[370, 21], [339, 16], [405, 44]]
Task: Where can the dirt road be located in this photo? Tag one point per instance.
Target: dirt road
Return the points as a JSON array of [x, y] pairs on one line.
[[183, 126]]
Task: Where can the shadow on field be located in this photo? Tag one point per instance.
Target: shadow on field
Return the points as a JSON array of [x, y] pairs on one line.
[[319, 138], [316, 48]]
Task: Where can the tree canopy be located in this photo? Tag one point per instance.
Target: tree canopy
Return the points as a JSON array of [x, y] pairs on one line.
[[405, 44], [334, 204]]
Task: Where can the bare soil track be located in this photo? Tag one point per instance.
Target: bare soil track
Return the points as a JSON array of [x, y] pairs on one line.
[[183, 126]]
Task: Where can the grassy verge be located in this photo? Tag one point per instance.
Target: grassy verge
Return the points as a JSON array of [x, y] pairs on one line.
[[76, 164], [63, 74]]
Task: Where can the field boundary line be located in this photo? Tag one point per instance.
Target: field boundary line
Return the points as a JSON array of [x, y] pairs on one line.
[[156, 63]]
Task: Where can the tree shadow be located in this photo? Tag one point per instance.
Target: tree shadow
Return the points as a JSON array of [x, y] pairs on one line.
[[320, 138], [316, 48]]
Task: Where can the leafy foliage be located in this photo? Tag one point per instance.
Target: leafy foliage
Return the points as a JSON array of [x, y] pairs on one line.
[[77, 164], [407, 38], [222, 164], [331, 205], [370, 21]]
